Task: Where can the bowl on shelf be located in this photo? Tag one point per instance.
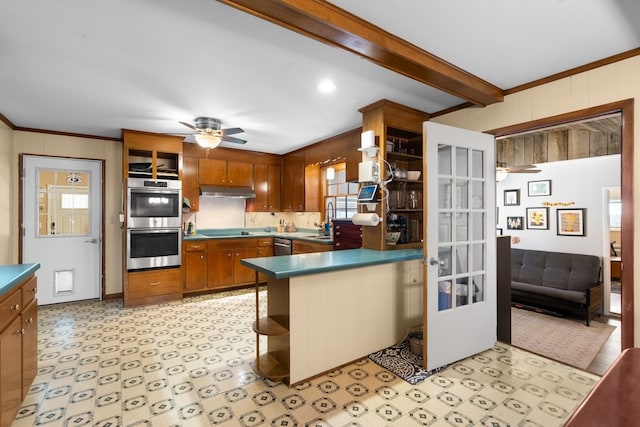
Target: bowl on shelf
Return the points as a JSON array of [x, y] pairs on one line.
[[413, 175], [392, 237]]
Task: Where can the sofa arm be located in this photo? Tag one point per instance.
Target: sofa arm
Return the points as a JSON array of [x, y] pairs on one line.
[[594, 296]]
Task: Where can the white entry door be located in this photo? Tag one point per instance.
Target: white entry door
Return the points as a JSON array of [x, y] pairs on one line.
[[62, 217], [460, 260]]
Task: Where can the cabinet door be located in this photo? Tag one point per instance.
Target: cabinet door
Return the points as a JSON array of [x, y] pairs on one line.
[[10, 372], [241, 274], [212, 171], [195, 270], [275, 177], [220, 267], [240, 174], [29, 346], [293, 186], [261, 187], [190, 185]]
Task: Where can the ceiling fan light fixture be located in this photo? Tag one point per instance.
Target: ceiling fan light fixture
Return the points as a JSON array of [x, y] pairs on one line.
[[208, 141]]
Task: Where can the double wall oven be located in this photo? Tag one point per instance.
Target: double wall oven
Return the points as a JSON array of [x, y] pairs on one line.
[[154, 230]]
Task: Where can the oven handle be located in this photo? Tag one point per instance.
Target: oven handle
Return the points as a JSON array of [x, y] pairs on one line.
[[282, 245], [154, 230]]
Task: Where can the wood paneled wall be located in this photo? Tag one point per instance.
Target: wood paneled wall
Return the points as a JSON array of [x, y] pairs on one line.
[[553, 146]]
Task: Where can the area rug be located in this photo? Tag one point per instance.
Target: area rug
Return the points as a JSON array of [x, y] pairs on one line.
[[402, 362], [568, 341]]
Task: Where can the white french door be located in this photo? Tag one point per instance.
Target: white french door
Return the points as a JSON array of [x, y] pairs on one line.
[[62, 226], [460, 248]]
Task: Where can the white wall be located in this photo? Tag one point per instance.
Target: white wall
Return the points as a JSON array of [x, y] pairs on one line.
[[579, 181]]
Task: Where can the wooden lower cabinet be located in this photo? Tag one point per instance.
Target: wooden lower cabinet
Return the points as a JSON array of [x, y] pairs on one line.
[[18, 347], [194, 262], [215, 264], [219, 267], [152, 286]]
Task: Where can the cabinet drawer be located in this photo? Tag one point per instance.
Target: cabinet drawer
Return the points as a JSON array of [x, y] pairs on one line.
[[10, 307], [29, 290], [195, 246], [265, 242], [152, 283]]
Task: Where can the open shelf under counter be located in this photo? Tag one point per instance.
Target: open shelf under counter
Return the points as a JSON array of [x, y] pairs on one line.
[[268, 367], [269, 326]]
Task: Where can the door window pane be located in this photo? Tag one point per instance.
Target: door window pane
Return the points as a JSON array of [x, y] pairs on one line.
[[63, 203], [477, 164], [462, 162], [444, 160]]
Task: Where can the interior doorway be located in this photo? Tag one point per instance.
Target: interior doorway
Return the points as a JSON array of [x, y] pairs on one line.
[[625, 111]]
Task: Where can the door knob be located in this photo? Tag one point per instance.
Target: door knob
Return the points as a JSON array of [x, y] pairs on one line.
[[433, 261], [94, 240]]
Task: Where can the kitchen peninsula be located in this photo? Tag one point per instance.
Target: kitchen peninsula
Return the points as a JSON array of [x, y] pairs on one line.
[[327, 309]]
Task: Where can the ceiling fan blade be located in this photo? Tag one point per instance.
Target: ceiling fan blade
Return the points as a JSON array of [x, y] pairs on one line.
[[189, 125], [234, 140], [231, 131]]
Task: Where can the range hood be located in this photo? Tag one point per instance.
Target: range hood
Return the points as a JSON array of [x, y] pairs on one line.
[[233, 192]]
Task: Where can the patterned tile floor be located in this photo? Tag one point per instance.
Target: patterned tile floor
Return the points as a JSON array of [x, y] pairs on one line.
[[189, 364]]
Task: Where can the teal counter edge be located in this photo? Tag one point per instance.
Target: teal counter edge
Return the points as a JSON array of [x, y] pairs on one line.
[[12, 275], [281, 267]]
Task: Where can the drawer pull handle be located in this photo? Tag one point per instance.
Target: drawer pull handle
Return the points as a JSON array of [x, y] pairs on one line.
[[154, 283], [16, 307], [34, 290], [30, 320], [21, 331]]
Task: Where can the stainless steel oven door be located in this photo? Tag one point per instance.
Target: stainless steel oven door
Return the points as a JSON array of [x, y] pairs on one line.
[[153, 248], [154, 203]]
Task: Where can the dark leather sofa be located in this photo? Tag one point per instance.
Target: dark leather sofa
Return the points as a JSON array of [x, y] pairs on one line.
[[556, 281]]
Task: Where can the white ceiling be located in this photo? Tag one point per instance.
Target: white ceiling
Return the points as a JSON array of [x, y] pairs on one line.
[[94, 67]]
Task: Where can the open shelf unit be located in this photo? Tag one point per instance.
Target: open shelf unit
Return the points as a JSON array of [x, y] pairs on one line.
[[398, 133], [273, 363]]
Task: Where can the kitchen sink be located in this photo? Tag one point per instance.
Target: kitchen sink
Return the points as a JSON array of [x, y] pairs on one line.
[[319, 237]]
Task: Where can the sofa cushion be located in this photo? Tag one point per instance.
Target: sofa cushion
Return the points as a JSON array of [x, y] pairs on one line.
[[573, 272], [561, 294]]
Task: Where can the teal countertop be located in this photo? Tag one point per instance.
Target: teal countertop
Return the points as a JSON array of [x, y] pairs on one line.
[[12, 275], [310, 235], [285, 266]]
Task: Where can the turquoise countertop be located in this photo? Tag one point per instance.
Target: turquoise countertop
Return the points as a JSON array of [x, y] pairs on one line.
[[310, 235], [322, 262], [13, 275]]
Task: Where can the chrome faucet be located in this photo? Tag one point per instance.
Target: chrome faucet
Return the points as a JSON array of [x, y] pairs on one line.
[[333, 209]]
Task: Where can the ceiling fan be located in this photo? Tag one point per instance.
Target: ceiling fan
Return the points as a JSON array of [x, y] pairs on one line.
[[502, 170], [208, 132]]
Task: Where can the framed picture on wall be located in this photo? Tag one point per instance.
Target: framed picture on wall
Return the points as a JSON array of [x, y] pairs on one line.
[[571, 222], [538, 218], [515, 223], [539, 188], [512, 197]]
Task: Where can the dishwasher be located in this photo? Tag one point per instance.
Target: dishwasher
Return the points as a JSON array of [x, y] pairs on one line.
[[281, 246]]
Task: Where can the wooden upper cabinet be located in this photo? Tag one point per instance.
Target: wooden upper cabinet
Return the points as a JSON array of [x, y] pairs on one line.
[[239, 174], [223, 172], [151, 156], [293, 185], [212, 171], [266, 184], [190, 184], [275, 193]]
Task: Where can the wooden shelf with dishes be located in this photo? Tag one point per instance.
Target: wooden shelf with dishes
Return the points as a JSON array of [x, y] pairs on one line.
[[398, 131]]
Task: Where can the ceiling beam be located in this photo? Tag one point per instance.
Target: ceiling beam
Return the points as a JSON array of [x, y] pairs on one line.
[[332, 25]]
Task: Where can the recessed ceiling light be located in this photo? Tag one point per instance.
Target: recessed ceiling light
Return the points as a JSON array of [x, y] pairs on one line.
[[326, 86]]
